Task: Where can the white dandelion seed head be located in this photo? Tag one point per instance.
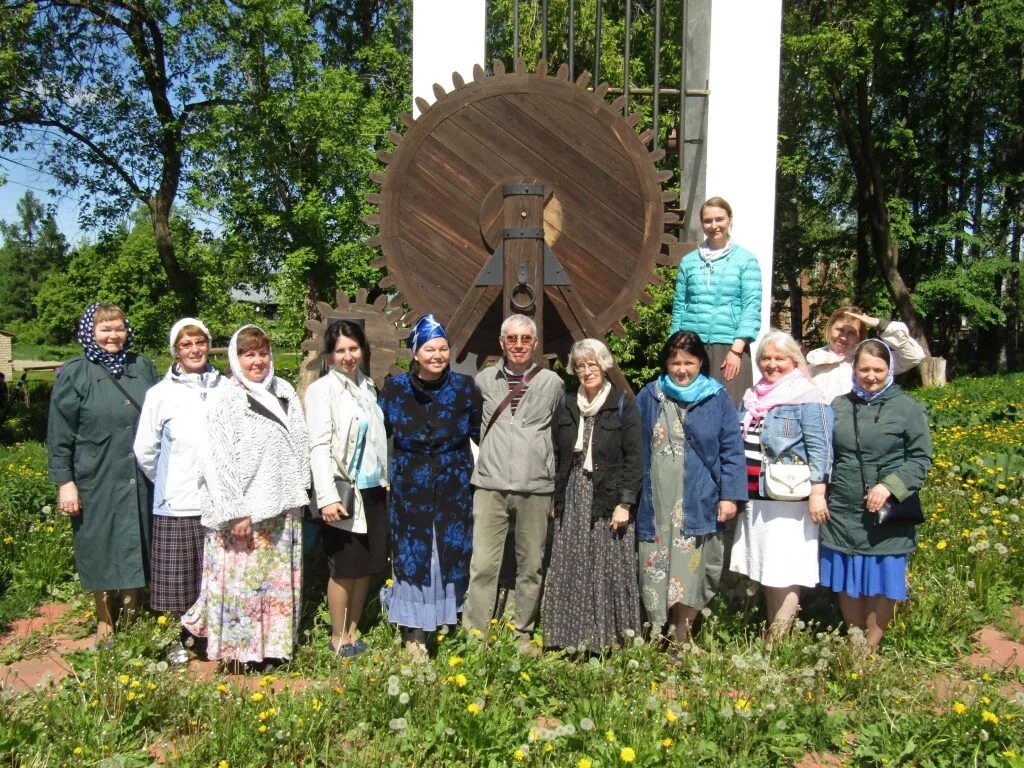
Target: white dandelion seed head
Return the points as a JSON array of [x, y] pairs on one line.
[[403, 698]]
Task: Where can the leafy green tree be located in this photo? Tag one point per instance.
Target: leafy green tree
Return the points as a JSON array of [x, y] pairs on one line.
[[32, 248]]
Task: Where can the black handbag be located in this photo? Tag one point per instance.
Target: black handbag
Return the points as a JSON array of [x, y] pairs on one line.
[[906, 512]]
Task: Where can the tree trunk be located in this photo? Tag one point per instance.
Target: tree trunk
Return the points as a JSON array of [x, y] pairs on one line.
[[182, 282], [796, 305]]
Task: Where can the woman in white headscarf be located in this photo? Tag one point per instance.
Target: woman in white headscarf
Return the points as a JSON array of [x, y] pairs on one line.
[[171, 431], [254, 480]]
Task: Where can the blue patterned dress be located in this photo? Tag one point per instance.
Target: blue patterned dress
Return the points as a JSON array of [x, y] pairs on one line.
[[431, 503]]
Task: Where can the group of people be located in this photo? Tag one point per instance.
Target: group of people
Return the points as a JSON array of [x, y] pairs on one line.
[[198, 483]]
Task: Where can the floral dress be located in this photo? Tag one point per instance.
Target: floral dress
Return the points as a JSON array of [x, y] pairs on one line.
[[675, 568]]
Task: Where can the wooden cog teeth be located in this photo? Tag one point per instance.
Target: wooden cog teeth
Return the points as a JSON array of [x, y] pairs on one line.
[[619, 104], [478, 73], [313, 326], [384, 157], [668, 239], [407, 119], [563, 71], [668, 196], [646, 136], [633, 120], [361, 295], [646, 298], [583, 81], [421, 104], [439, 92], [378, 177], [395, 138], [632, 314], [396, 301], [542, 67], [340, 298], [498, 66], [311, 345], [388, 281], [373, 220], [380, 302], [601, 90], [323, 308], [409, 317], [656, 279], [379, 263], [663, 176], [374, 198], [657, 155], [457, 80], [394, 370], [671, 218], [664, 259], [519, 67], [678, 250]]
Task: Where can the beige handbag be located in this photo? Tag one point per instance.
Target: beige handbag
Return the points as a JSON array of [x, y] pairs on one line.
[[787, 480]]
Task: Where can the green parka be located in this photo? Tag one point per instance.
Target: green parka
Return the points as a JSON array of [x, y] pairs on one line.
[[896, 446], [90, 439]]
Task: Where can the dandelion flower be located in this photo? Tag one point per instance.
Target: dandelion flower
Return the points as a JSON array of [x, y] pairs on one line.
[[667, 742], [223, 764], [473, 708], [609, 736], [990, 717], [549, 747], [519, 755], [627, 755], [941, 545], [959, 707], [524, 677], [257, 697], [671, 716], [584, 763], [854, 676], [78, 750], [461, 680], [454, 661]]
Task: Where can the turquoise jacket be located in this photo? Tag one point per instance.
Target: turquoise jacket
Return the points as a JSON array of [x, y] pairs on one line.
[[720, 300]]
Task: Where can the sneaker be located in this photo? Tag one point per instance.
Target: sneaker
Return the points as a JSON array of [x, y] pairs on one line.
[[177, 655], [359, 647]]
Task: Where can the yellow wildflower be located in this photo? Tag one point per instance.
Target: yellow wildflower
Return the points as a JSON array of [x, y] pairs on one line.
[[584, 763], [666, 743], [454, 661], [78, 750], [609, 736], [316, 705], [123, 679], [854, 676], [519, 755], [549, 747], [671, 716], [461, 680], [257, 697], [990, 717], [524, 677], [627, 755], [162, 621], [473, 708], [959, 707]]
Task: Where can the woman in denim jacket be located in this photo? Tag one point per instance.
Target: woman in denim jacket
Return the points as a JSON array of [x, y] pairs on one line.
[[694, 481], [784, 420]]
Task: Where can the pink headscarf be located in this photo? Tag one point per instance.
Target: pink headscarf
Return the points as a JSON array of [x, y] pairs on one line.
[[792, 389]]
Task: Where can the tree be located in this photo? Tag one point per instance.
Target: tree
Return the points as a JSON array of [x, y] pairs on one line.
[[110, 94], [32, 248]]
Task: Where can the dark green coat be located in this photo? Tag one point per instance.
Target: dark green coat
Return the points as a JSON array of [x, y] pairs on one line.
[[89, 440], [897, 450]]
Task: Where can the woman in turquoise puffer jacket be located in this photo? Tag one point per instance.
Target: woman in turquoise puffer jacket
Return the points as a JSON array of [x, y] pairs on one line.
[[718, 297]]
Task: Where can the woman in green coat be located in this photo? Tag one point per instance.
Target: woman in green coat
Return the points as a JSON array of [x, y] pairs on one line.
[[94, 411], [883, 451]]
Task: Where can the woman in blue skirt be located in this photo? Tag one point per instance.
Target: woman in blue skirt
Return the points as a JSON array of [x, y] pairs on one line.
[[883, 451]]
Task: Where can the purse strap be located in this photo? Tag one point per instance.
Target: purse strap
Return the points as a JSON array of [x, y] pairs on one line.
[[856, 443], [513, 393], [124, 391], [693, 444]]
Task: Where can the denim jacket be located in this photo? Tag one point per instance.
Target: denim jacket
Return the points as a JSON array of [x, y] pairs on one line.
[[711, 430], [799, 433]]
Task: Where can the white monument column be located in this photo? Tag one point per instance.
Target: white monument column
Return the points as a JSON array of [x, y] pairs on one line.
[[447, 36], [743, 119]]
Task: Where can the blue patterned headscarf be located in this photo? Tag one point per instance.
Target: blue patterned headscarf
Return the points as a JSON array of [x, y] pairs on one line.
[[889, 379], [426, 328], [113, 362]]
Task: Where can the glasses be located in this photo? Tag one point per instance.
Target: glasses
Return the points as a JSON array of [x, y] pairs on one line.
[[188, 346], [584, 367], [525, 338]]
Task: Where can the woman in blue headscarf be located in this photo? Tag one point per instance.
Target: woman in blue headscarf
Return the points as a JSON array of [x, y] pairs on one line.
[[94, 412], [694, 479], [431, 413], [883, 451]]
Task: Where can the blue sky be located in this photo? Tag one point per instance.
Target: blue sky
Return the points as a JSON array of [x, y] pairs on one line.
[[22, 175]]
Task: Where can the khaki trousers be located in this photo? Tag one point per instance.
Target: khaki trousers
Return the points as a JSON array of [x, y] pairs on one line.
[[492, 513]]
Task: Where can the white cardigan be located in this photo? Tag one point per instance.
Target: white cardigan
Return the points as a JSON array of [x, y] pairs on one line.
[[252, 465], [833, 374], [172, 428], [332, 416]]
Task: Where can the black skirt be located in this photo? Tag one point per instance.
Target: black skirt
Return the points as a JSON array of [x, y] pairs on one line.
[[355, 555], [177, 563]]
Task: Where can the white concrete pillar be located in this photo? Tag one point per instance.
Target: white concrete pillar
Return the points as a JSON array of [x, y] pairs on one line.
[[447, 36], [743, 118]]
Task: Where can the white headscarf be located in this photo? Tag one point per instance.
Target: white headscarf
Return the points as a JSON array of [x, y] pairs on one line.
[[261, 391]]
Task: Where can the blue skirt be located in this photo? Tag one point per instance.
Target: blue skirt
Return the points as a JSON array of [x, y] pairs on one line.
[[423, 607], [863, 575]]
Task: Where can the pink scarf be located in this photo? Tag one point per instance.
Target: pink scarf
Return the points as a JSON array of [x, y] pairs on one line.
[[792, 389]]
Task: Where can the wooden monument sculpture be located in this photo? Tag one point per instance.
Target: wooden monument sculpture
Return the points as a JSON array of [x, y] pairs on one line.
[[522, 192]]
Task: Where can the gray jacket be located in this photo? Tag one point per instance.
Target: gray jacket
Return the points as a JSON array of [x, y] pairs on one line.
[[516, 454]]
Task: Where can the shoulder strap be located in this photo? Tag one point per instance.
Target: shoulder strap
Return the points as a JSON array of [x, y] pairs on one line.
[[117, 384], [693, 444], [856, 442], [622, 404], [513, 393]]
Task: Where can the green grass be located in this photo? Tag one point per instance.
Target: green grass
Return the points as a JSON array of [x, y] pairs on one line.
[[734, 701]]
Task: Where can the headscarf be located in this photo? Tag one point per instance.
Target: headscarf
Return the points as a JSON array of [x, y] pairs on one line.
[[889, 379], [698, 389], [176, 329], [112, 361], [426, 328], [589, 408], [792, 389], [261, 391]]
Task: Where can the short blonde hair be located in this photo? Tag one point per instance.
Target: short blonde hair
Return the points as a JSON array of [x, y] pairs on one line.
[[591, 349], [785, 344], [846, 311], [106, 312]]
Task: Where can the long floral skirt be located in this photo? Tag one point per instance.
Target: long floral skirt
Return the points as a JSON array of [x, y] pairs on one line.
[[248, 606], [591, 596]]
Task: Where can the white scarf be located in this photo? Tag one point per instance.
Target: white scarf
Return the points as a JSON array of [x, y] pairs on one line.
[[587, 409], [709, 256], [375, 447], [261, 391]]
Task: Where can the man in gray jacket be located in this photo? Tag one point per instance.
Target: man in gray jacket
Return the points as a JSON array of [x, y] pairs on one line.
[[514, 476]]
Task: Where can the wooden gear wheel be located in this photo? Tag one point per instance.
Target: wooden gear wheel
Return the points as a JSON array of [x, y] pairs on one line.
[[381, 324], [536, 178]]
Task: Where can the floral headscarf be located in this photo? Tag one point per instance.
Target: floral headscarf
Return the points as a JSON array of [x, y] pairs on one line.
[[112, 361]]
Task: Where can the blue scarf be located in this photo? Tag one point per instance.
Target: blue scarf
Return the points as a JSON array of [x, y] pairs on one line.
[[112, 361], [426, 328], [700, 388], [858, 390]]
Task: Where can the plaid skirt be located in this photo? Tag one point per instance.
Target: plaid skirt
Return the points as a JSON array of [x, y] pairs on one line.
[[177, 563]]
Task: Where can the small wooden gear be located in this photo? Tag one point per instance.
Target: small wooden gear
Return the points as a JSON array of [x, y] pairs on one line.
[[520, 190], [381, 322]]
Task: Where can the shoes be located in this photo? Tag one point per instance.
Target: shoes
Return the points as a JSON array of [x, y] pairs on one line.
[[526, 646], [348, 650], [417, 651], [177, 655]]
